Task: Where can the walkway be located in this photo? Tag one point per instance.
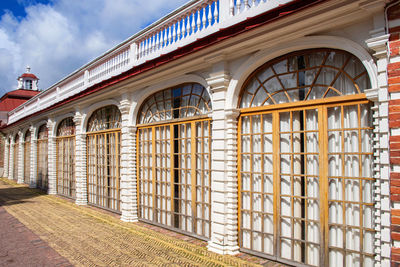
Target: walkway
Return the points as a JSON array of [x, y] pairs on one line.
[[89, 237]]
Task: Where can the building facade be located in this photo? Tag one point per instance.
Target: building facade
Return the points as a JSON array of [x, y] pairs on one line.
[[265, 127]]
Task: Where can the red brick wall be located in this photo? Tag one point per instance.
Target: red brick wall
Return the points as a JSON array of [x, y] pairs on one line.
[[393, 72]]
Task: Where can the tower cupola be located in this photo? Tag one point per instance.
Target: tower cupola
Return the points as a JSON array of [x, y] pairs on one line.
[[28, 80]]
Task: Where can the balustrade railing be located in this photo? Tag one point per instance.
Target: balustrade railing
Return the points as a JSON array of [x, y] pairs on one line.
[[194, 20]]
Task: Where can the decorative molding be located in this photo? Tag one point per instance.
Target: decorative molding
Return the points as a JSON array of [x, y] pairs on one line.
[[372, 94]]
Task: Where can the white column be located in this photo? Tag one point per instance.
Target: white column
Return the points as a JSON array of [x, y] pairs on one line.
[[52, 158], [80, 162], [224, 196], [34, 161], [380, 97], [11, 166], [20, 167], [6, 156], [128, 167]]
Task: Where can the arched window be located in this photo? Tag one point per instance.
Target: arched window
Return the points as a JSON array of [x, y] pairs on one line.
[[42, 158], [105, 118], [173, 159], [188, 100], [65, 147], [306, 75], [16, 157], [305, 160], [27, 157], [103, 158]]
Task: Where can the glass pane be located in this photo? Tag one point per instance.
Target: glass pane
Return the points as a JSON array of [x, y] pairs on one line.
[[308, 74], [187, 100]]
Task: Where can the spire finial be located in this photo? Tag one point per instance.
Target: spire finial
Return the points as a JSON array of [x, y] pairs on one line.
[[28, 69]]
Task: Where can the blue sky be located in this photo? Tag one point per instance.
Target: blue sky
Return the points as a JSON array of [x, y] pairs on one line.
[[17, 7], [56, 37]]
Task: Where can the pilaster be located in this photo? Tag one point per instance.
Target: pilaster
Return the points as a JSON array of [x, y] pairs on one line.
[[33, 180], [20, 178], [224, 195], [80, 161], [6, 156], [52, 158], [380, 98], [11, 165], [128, 166]]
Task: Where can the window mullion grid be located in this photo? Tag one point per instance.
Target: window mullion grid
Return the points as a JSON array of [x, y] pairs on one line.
[[193, 173], [57, 166], [276, 182], [172, 172], [153, 140], [292, 196], [251, 182], [117, 174], [323, 184], [360, 184], [138, 171], [344, 228], [202, 181], [239, 172], [305, 180], [262, 193]]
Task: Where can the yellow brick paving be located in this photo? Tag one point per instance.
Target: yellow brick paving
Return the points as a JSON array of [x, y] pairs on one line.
[[87, 237]]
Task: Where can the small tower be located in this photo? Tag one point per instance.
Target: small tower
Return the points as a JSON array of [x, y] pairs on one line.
[[28, 81]]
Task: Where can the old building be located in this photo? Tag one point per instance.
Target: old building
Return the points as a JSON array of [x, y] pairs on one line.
[[259, 126], [26, 89]]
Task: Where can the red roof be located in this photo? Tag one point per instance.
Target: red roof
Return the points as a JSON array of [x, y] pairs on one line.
[[28, 75], [13, 99], [21, 93]]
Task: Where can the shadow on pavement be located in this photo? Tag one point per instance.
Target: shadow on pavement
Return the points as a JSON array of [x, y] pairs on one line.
[[16, 195]]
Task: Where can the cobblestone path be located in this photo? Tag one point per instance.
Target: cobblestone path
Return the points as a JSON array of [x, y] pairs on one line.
[[88, 237]]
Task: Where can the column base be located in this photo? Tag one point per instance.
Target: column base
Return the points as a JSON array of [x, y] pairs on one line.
[[81, 202], [52, 192], [128, 217], [222, 249], [32, 185], [20, 181]]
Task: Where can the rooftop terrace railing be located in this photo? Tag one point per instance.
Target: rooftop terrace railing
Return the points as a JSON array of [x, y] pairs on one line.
[[192, 21]]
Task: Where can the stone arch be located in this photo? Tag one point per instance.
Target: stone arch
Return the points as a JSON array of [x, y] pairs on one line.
[[58, 120], [256, 60], [148, 91], [92, 108]]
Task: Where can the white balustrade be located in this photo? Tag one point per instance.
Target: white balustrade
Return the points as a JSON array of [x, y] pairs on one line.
[[195, 20], [110, 65], [178, 29]]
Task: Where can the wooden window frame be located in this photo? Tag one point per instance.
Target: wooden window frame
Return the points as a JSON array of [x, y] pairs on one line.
[[65, 165], [193, 169], [322, 105], [103, 201]]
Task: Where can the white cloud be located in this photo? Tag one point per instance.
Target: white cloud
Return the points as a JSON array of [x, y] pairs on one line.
[[57, 38]]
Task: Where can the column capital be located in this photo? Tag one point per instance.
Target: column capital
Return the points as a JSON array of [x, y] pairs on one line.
[[379, 45], [124, 106], [77, 118], [219, 82], [232, 113], [132, 128], [372, 94], [50, 124]]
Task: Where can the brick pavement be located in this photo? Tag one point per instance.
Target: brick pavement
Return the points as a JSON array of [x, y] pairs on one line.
[[87, 236], [19, 246]]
